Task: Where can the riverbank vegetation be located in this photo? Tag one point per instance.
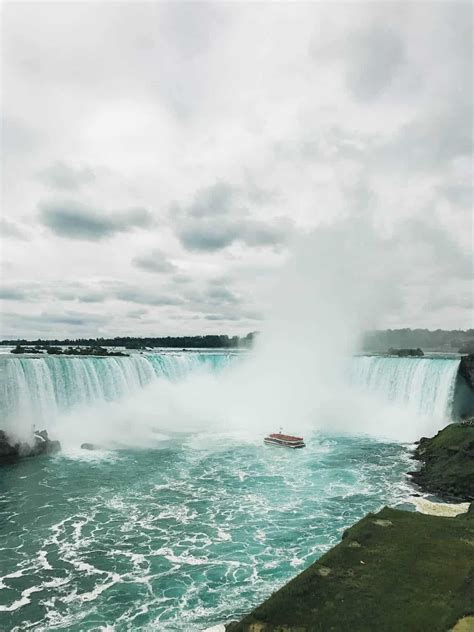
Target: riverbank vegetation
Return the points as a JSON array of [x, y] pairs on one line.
[[451, 341], [175, 342]]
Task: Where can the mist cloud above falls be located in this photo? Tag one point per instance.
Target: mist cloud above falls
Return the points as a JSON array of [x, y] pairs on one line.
[[336, 280]]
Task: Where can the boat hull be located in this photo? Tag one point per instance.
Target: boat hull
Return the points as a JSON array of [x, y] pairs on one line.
[[284, 444]]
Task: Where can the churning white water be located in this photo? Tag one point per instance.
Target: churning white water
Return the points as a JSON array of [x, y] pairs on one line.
[[38, 389], [161, 389], [324, 297], [423, 385]]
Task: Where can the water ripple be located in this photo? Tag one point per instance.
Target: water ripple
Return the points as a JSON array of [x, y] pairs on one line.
[[180, 542]]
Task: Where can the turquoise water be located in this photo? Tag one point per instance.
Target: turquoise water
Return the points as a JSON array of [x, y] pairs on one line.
[[199, 529], [177, 538]]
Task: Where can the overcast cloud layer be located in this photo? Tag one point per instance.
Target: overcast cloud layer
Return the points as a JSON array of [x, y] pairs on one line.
[[160, 159]]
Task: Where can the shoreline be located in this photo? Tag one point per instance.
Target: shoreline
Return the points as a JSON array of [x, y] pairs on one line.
[[390, 569]]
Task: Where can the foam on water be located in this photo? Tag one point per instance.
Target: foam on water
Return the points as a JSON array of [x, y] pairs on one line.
[[178, 538], [200, 526]]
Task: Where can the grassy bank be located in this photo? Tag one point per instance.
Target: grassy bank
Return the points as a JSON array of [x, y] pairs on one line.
[[393, 571]]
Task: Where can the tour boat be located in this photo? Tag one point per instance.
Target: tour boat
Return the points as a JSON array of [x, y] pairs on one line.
[[284, 441]]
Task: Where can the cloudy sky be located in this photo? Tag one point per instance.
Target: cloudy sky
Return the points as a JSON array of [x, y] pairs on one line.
[[160, 159]]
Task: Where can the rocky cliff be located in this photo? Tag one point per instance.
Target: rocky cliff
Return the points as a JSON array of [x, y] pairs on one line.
[[447, 462], [10, 449], [466, 369]]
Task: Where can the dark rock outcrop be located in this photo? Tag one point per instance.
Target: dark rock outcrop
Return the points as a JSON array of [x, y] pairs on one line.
[[466, 369], [89, 446], [11, 450], [447, 462], [75, 351]]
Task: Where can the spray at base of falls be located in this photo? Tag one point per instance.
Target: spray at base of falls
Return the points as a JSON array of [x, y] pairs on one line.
[[334, 282], [131, 400]]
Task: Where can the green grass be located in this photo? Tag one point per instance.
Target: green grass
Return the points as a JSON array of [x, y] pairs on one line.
[[414, 573]]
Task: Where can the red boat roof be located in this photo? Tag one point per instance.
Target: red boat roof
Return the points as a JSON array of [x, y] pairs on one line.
[[284, 437]]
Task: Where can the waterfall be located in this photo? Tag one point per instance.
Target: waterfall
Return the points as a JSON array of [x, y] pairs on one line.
[[424, 385], [36, 389]]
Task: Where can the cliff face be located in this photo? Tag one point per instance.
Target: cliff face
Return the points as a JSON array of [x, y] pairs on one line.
[[448, 462], [466, 369], [394, 570]]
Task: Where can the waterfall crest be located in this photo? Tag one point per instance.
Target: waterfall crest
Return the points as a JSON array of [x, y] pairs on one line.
[[38, 390]]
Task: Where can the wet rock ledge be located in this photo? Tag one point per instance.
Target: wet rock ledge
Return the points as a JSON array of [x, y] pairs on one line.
[[11, 450], [394, 570]]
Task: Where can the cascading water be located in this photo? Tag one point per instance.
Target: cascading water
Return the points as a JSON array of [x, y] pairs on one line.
[[38, 388], [425, 386], [199, 526]]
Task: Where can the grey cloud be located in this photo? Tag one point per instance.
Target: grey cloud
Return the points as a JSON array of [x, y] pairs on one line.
[[460, 195], [182, 278], [373, 57], [207, 235], [82, 295], [450, 299], [17, 138], [10, 229], [215, 220], [429, 257], [137, 313], [430, 141], [27, 325], [143, 296], [214, 294], [92, 297], [154, 262], [75, 318], [77, 221], [193, 26], [221, 295], [233, 317], [29, 291], [215, 200], [63, 176], [252, 315], [13, 294]]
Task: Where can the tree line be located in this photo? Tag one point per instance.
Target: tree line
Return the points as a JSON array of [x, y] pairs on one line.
[[375, 341], [178, 342]]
